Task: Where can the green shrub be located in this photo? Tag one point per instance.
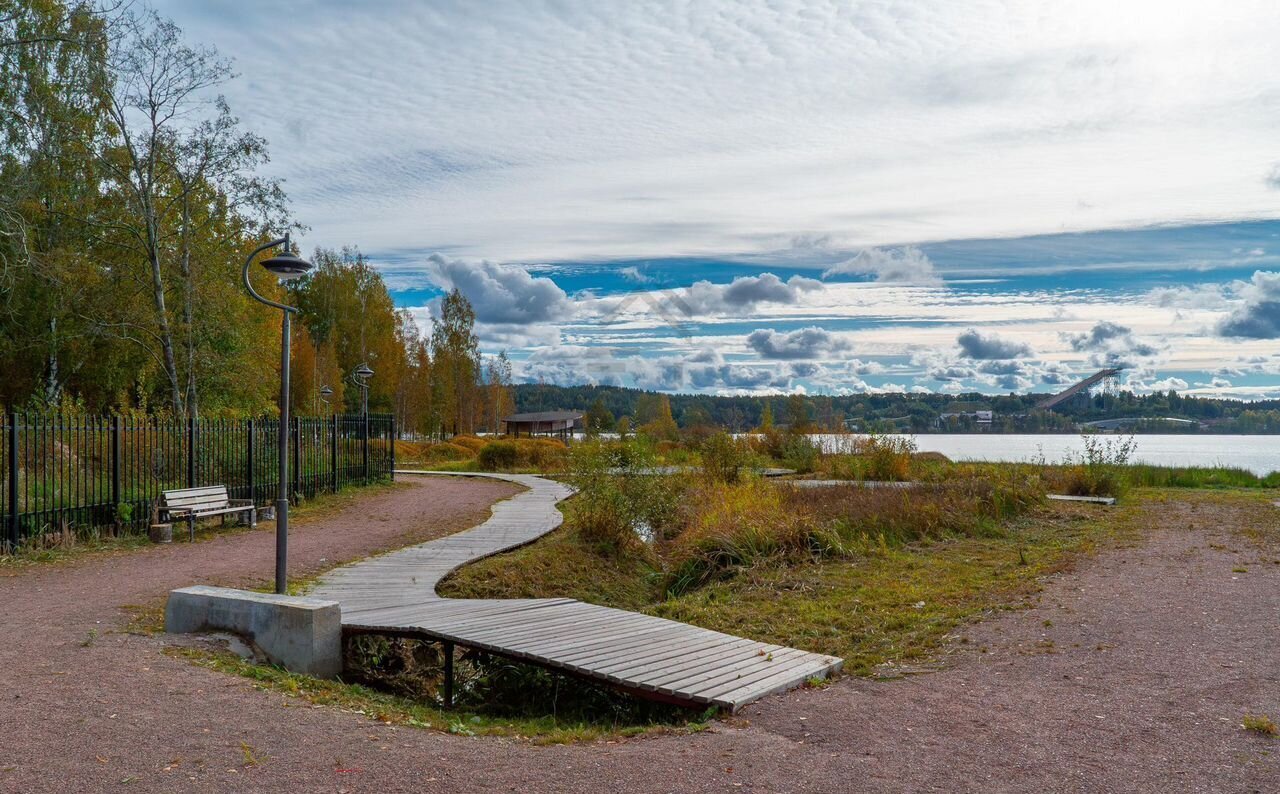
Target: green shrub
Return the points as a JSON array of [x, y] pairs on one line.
[[620, 497], [1100, 470], [723, 457], [544, 454], [499, 455], [446, 451]]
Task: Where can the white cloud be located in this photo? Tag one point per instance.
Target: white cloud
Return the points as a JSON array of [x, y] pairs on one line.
[[632, 273], [1259, 317], [1165, 384], [907, 265], [744, 293], [810, 342], [503, 294], [549, 131], [1112, 345], [985, 347]]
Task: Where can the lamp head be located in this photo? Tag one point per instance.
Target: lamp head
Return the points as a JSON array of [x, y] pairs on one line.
[[363, 372], [325, 391], [287, 266]]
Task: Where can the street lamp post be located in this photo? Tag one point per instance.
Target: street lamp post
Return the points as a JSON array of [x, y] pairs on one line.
[[287, 267], [325, 394], [361, 375]]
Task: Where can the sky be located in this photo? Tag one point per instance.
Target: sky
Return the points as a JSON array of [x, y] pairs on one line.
[[836, 197]]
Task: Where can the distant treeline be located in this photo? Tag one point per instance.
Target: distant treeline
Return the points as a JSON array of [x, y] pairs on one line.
[[916, 413]]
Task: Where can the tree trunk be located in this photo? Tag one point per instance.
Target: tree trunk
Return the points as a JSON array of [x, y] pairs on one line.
[[162, 313]]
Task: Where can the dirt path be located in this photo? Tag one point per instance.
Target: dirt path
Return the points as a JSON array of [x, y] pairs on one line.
[[1157, 651]]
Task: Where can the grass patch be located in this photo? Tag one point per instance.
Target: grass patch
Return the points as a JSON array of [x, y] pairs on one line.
[[886, 602], [1260, 724], [1143, 475]]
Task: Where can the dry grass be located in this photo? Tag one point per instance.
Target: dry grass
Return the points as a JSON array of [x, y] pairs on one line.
[[882, 603], [1260, 724]]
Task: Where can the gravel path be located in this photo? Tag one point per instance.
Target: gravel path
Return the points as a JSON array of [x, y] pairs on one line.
[[1157, 651]]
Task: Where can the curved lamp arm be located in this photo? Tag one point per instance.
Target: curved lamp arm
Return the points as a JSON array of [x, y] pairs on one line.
[[249, 285]]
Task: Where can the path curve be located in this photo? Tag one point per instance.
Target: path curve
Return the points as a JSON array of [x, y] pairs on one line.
[[652, 657]]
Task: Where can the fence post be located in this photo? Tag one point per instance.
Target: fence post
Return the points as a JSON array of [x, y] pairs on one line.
[[333, 450], [297, 456], [392, 471], [115, 460], [365, 451], [191, 451], [13, 480], [253, 488]]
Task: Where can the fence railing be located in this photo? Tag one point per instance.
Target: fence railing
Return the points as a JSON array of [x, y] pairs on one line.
[[63, 473]]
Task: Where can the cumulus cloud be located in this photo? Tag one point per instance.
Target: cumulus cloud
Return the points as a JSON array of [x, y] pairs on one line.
[[1111, 345], [907, 265], [743, 293], [501, 294], [810, 342], [1165, 384], [1259, 317], [986, 347], [1211, 297]]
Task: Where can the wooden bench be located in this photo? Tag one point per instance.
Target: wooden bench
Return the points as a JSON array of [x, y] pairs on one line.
[[213, 500]]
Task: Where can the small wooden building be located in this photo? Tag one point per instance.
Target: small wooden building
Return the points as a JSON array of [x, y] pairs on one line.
[[542, 423]]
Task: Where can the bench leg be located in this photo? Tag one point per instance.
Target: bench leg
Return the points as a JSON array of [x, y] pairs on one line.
[[191, 527], [253, 517]]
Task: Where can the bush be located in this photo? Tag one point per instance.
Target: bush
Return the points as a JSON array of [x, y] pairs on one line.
[[544, 454], [498, 455], [723, 457], [470, 442], [878, 458], [620, 498], [1098, 471], [446, 451], [800, 452]]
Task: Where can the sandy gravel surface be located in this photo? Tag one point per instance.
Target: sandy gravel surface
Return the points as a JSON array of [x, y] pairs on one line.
[[1150, 657]]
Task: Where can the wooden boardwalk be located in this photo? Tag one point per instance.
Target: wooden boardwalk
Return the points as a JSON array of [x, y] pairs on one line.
[[655, 658]]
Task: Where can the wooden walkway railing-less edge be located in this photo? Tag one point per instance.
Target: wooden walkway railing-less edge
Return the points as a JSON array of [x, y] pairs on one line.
[[651, 657]]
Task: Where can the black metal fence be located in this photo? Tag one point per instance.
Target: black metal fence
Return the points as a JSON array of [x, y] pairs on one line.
[[73, 473]]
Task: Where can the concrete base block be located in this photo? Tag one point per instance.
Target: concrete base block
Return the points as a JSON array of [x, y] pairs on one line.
[[303, 635]]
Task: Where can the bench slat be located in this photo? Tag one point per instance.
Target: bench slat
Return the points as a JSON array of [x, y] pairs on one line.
[[208, 489], [211, 500]]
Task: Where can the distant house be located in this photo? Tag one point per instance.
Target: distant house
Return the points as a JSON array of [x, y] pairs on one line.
[[542, 423], [978, 413]]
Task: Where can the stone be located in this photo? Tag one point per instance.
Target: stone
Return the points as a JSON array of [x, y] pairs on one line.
[[302, 635]]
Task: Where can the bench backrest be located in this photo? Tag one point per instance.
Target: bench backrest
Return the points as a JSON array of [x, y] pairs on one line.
[[212, 497]]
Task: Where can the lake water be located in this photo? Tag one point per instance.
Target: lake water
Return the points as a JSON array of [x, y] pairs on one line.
[[1259, 454]]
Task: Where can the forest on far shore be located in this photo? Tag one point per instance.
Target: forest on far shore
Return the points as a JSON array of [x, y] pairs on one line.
[[914, 413]]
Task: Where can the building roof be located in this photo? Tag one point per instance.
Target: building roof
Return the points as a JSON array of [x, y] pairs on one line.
[[545, 416]]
